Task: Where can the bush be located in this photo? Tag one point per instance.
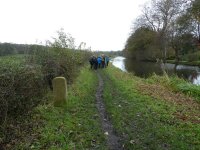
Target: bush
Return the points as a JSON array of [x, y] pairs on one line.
[[193, 57], [55, 61], [24, 79], [21, 87]]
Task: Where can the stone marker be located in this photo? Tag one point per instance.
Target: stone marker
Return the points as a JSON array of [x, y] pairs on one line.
[[59, 91]]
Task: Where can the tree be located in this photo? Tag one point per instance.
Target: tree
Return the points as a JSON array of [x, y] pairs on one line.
[[159, 15], [185, 32], [64, 40], [181, 38], [195, 14], [7, 49], [141, 45]]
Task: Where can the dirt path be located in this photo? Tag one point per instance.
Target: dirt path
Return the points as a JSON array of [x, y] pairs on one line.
[[113, 140]]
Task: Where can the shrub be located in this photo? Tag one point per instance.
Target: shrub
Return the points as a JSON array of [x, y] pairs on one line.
[[21, 86], [55, 61], [193, 57], [24, 79]]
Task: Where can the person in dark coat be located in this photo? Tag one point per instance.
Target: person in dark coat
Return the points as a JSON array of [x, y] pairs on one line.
[[95, 63], [91, 60], [103, 60]]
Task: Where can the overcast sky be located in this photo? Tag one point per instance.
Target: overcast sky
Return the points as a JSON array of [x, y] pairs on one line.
[[102, 24]]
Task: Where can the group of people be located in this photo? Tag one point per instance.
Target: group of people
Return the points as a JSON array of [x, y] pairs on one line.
[[99, 62]]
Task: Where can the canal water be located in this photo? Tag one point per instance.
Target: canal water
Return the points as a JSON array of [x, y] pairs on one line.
[[145, 69]]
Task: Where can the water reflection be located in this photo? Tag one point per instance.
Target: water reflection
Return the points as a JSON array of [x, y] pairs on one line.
[[145, 69], [119, 63]]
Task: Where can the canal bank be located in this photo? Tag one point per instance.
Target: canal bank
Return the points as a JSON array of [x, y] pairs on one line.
[[193, 63], [152, 113]]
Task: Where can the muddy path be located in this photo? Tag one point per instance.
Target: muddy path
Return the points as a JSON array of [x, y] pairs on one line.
[[113, 141]]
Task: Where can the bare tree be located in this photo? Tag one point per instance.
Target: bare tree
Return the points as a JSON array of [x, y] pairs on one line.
[[64, 40], [159, 16], [195, 15]]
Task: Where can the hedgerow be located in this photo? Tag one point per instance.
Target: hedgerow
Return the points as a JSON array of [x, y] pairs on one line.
[[25, 79]]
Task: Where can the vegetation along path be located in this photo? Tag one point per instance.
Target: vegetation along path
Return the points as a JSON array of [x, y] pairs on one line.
[[113, 139], [110, 109]]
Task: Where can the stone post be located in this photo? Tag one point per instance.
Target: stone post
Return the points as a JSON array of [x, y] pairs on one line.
[[59, 91]]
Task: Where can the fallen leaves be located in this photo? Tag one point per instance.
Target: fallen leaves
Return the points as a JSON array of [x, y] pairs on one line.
[[159, 92]]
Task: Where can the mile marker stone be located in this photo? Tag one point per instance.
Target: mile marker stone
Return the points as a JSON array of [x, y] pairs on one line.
[[59, 91]]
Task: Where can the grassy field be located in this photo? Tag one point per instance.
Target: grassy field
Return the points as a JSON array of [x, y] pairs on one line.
[[154, 113]]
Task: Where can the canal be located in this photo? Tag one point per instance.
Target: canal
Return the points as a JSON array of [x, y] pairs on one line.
[[146, 69]]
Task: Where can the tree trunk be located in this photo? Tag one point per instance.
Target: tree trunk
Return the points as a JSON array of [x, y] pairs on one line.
[[199, 33], [176, 55], [165, 54]]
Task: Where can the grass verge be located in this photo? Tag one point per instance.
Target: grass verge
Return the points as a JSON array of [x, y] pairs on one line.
[[147, 119], [75, 126]]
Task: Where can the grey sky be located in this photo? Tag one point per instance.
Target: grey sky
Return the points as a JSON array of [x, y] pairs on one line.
[[102, 24]]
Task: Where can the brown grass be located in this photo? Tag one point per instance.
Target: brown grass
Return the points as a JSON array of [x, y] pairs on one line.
[[187, 109]]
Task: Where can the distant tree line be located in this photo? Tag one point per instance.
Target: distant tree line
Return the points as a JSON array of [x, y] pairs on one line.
[[12, 49], [110, 53], [166, 29], [63, 40]]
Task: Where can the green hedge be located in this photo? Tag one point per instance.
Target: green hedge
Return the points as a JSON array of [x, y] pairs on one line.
[[21, 86], [24, 79]]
